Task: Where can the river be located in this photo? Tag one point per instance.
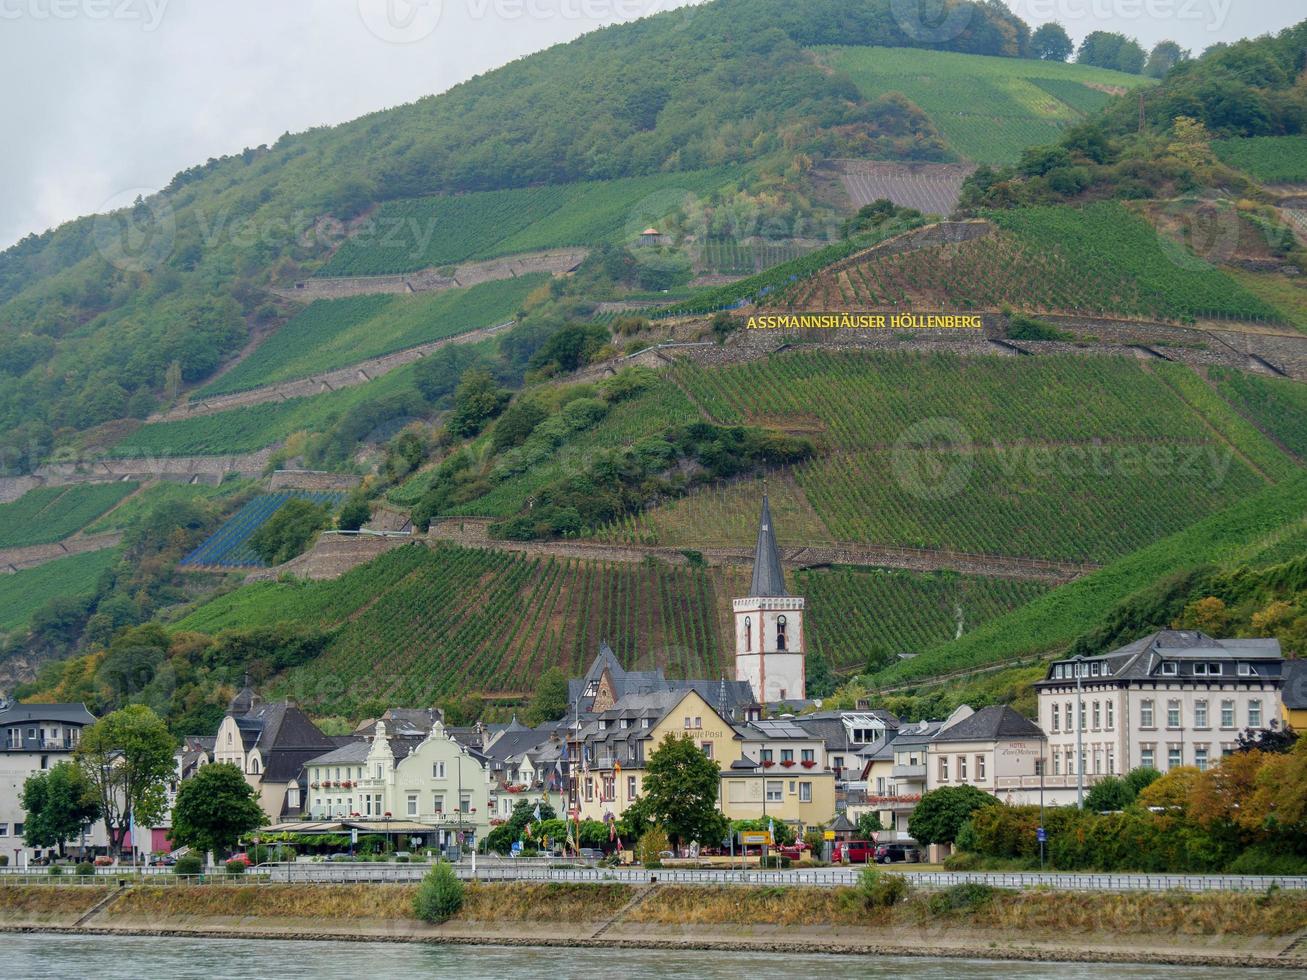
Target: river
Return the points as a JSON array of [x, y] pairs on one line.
[[69, 957]]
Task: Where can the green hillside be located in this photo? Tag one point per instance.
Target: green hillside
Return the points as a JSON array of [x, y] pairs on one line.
[[50, 514], [332, 334], [24, 592], [988, 109], [1270, 159], [446, 230]]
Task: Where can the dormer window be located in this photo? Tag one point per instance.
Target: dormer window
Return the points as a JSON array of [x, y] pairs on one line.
[[1246, 670], [780, 632], [591, 689], [1170, 669]]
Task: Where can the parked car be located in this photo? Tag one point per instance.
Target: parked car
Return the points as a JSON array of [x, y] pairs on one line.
[[591, 854], [893, 853], [854, 852], [795, 851], [243, 858]]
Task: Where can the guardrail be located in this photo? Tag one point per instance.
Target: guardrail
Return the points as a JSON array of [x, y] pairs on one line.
[[346, 873]]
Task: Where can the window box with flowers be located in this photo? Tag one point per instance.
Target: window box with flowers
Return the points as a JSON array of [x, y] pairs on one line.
[[808, 763], [315, 785], [346, 784], [788, 763], [767, 763]]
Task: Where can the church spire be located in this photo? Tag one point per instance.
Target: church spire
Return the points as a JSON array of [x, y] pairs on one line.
[[768, 579]]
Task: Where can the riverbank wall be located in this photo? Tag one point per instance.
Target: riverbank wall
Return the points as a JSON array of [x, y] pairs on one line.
[[1181, 929]]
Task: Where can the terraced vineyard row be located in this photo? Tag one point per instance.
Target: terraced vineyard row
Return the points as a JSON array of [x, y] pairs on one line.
[[1277, 406], [858, 617], [1074, 459], [419, 233], [49, 514], [26, 591], [229, 546], [330, 334], [451, 619], [1038, 264], [1270, 159], [930, 191]]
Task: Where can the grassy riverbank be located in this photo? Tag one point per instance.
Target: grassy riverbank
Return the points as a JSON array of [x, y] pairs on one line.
[[1227, 928]]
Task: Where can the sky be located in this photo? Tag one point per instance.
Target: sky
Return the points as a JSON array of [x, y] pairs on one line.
[[107, 99]]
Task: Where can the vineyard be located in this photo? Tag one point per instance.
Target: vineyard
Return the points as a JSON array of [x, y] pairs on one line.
[[867, 616], [24, 592], [1055, 619], [1062, 458], [930, 188], [1038, 263], [49, 514], [331, 334], [1276, 406], [1012, 103], [254, 427], [1269, 159], [737, 258], [419, 233], [229, 546], [159, 494], [449, 620]]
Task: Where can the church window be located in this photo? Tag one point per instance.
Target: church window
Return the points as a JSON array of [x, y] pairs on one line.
[[748, 633], [780, 633]]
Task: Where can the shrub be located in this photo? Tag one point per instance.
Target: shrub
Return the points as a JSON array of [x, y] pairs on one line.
[[651, 846], [881, 889], [56, 870], [401, 859], [236, 867], [191, 864], [440, 895], [85, 868], [969, 897], [4, 860]]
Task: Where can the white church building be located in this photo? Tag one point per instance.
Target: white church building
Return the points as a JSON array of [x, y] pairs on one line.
[[769, 648]]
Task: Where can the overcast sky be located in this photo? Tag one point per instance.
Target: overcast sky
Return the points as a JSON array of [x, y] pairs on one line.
[[104, 99]]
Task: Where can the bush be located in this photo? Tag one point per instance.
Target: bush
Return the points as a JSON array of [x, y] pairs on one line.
[[236, 867], [881, 889], [440, 895], [56, 870], [960, 898], [191, 864], [650, 847], [401, 859], [4, 860], [85, 868]]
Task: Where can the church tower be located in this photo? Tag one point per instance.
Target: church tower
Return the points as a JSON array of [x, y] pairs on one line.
[[769, 650]]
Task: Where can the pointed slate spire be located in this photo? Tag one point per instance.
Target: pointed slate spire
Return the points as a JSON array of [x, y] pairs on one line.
[[768, 579]]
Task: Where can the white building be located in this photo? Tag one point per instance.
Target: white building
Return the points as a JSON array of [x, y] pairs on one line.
[[36, 737], [996, 750], [769, 650], [1175, 698]]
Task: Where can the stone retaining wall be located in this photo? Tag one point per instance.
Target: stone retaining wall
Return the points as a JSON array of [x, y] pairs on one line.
[[312, 480], [13, 487], [332, 555], [16, 559], [554, 261], [179, 469]]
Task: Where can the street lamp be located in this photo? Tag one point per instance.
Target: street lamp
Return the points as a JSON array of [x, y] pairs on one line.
[[1080, 732]]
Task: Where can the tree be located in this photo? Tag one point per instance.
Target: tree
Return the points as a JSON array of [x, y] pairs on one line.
[[1273, 739], [1105, 49], [550, 700], [869, 825], [681, 785], [942, 812], [1110, 793], [58, 801], [513, 829], [477, 400], [440, 895], [1165, 56], [821, 680], [356, 512], [288, 532], [127, 757], [1172, 791], [214, 809], [1142, 777], [1051, 42]]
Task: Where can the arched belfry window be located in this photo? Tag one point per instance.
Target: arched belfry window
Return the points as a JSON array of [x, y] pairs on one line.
[[780, 632], [748, 633]]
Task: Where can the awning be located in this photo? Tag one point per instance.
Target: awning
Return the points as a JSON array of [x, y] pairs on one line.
[[345, 826]]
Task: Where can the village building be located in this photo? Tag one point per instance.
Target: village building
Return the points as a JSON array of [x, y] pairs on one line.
[[33, 738], [783, 774], [1173, 698], [270, 741], [1293, 695], [996, 749]]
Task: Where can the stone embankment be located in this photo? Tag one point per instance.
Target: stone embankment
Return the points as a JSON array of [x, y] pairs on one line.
[[475, 533], [433, 280], [317, 384], [16, 559], [177, 469], [332, 555]]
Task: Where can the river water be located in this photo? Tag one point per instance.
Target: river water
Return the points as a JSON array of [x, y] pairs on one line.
[[64, 957]]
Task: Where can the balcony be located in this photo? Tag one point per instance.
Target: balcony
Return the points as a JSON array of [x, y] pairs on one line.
[[914, 773]]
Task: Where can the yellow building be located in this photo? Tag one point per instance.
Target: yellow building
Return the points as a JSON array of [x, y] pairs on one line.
[[802, 798], [1293, 695]]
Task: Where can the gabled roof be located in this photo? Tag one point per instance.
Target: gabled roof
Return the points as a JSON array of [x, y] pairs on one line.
[[68, 714], [1143, 658], [998, 722], [284, 736], [768, 578], [1294, 692], [629, 683]]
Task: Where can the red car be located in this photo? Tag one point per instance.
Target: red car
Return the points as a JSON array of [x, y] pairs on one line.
[[795, 851], [855, 852]]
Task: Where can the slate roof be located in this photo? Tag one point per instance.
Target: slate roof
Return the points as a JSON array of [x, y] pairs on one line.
[[996, 723], [285, 736], [768, 578], [629, 683], [1143, 659], [403, 721], [69, 714], [1294, 692]]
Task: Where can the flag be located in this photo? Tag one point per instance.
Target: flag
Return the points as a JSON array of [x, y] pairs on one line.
[[537, 811], [612, 830]]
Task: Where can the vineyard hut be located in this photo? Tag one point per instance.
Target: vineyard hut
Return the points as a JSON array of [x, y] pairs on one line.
[[651, 236]]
